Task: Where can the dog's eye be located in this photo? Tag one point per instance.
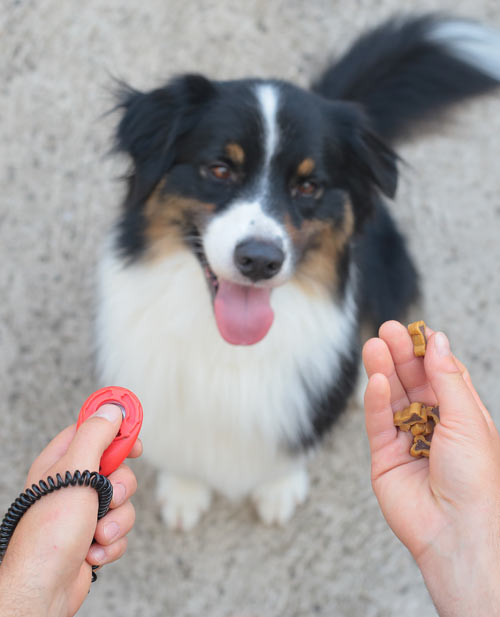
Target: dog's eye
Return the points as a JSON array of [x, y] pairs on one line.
[[306, 188], [220, 171]]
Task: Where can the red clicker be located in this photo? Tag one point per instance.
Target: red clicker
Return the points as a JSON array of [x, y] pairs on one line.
[[121, 445]]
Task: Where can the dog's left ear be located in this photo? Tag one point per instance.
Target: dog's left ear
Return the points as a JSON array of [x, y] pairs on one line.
[[368, 165], [151, 124]]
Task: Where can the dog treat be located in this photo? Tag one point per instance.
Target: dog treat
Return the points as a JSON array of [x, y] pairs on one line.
[[420, 420], [433, 412], [420, 446], [414, 414], [417, 332], [429, 430], [419, 429]]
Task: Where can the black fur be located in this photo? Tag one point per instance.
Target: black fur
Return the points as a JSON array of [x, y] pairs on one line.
[[327, 408], [389, 282], [401, 78], [385, 88]]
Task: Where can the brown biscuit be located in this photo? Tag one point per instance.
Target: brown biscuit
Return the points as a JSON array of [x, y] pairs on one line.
[[417, 332], [429, 429], [420, 447], [433, 412], [416, 413], [420, 420], [419, 429]]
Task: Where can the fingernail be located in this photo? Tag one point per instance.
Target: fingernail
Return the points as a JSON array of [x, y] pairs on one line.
[[119, 493], [442, 344], [110, 412], [98, 554], [111, 530]]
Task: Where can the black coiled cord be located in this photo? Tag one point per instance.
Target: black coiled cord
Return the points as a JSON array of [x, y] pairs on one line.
[[25, 500]]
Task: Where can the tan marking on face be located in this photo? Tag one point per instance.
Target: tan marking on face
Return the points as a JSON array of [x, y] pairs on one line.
[[321, 244], [306, 167], [236, 153], [166, 218], [348, 225]]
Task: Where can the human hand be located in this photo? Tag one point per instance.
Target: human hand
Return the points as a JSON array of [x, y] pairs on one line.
[[445, 509], [47, 567]]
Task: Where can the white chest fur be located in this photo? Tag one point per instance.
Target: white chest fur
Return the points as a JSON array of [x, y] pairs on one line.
[[213, 411]]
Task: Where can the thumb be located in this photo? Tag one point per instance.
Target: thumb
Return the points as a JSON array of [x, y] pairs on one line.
[[457, 405], [94, 436]]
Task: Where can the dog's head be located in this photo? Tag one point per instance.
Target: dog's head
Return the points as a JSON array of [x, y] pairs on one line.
[[264, 182]]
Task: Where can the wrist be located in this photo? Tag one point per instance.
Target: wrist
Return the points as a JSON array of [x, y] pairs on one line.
[[27, 584], [461, 571], [19, 597]]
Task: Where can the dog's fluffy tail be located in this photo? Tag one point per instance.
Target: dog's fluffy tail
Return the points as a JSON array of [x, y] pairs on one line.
[[409, 69]]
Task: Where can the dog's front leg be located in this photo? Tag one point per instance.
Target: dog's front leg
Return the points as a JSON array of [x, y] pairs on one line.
[[183, 500], [277, 499]]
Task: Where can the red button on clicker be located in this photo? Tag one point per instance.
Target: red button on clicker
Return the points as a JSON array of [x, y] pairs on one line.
[[121, 445]]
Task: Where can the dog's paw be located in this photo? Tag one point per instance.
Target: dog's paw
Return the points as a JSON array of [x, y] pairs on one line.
[[183, 501], [276, 501]]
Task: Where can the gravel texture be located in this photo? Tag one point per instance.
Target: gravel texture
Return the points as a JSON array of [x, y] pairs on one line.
[[59, 192]]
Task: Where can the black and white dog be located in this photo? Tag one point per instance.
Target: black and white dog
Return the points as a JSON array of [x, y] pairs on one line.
[[254, 242]]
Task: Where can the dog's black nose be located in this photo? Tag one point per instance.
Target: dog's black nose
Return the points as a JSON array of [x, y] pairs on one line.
[[258, 259]]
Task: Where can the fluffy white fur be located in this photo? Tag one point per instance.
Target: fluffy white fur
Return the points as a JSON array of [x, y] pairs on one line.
[[216, 415], [219, 416], [242, 221]]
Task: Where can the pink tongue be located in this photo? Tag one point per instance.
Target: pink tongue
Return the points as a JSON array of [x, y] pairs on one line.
[[243, 313]]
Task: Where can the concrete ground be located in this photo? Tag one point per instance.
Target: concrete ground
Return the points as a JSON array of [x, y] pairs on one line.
[[59, 191]]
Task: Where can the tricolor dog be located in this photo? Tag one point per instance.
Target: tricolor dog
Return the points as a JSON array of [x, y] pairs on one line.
[[253, 243]]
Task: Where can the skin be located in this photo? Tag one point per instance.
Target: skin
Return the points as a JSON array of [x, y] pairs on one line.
[[49, 573], [444, 509]]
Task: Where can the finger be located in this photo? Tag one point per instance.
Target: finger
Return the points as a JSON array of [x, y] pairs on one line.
[[389, 447], [457, 404], [378, 412], [409, 368], [467, 378], [116, 524], [51, 454], [99, 555], [124, 485], [136, 450], [94, 436], [377, 359]]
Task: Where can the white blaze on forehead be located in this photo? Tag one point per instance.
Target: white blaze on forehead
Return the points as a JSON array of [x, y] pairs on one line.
[[248, 218], [268, 98]]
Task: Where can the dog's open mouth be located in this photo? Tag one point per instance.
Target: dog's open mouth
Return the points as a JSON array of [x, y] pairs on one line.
[[243, 313]]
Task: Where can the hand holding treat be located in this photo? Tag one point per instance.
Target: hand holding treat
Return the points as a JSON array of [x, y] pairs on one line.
[[445, 508]]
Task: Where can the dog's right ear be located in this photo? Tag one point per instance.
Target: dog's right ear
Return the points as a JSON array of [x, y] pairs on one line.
[[150, 125], [367, 165]]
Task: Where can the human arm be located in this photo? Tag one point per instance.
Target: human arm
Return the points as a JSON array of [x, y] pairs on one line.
[[47, 567], [445, 509]]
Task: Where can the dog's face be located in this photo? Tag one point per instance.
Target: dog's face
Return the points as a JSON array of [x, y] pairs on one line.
[[264, 182]]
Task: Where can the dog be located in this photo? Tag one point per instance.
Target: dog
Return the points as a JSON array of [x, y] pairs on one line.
[[253, 244]]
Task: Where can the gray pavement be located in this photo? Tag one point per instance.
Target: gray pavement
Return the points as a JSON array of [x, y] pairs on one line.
[[59, 192]]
